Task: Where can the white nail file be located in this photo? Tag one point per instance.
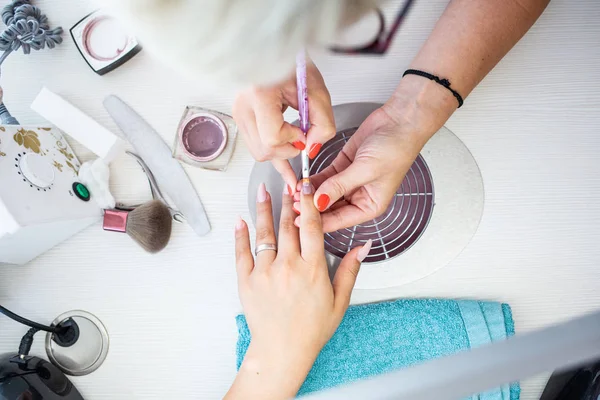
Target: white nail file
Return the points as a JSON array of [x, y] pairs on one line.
[[78, 125], [169, 174]]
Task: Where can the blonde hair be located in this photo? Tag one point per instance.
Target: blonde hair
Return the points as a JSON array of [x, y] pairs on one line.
[[238, 41]]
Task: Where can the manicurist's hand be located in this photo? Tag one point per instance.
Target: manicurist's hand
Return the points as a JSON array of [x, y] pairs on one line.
[[291, 306], [258, 112], [362, 180]]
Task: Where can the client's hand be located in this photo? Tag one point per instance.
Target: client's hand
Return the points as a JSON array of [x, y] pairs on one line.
[[291, 306], [258, 112]]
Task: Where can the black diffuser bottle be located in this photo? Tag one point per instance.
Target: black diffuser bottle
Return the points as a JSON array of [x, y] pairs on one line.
[[24, 377], [31, 378]]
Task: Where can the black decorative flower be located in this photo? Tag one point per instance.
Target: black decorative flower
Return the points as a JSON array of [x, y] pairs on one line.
[[27, 28]]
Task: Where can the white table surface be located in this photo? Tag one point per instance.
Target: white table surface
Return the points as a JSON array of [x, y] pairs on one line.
[[532, 125]]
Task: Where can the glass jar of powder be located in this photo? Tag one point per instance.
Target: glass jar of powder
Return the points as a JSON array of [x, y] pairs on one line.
[[205, 138]]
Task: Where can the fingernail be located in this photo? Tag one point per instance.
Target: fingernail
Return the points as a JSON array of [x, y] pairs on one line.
[[296, 210], [314, 150], [261, 196], [364, 251], [240, 224], [299, 145], [323, 202], [307, 187], [290, 190]]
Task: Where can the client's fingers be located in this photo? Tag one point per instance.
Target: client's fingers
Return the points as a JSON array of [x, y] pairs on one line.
[[289, 240], [345, 277], [265, 232], [244, 261], [311, 231]]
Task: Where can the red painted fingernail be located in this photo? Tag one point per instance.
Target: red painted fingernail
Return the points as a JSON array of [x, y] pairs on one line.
[[290, 191], [295, 209], [322, 202], [299, 145], [314, 150]]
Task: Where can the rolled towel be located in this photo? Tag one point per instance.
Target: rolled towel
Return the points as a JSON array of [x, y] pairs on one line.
[[377, 338], [95, 175]]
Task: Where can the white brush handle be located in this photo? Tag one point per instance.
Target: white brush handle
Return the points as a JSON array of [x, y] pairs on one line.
[[303, 107]]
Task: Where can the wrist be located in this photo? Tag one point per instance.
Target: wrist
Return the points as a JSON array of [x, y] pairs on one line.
[[278, 374], [420, 106]]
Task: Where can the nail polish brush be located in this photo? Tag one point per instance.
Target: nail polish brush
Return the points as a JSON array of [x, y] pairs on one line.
[[303, 109]]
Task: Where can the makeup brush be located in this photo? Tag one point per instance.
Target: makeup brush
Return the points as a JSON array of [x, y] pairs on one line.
[[149, 224]]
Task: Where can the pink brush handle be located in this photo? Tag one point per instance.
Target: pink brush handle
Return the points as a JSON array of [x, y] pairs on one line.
[[115, 220]]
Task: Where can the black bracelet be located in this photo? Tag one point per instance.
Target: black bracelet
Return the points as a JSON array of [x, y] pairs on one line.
[[444, 82]]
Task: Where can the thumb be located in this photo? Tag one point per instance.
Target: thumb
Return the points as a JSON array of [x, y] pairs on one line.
[[345, 277], [357, 174]]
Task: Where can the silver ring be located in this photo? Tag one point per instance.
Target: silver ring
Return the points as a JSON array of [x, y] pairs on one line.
[[265, 246]]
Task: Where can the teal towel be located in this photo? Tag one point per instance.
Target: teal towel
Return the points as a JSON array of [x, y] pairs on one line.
[[377, 338]]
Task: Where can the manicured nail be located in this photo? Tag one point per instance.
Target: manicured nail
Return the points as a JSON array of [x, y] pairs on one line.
[[364, 251], [240, 224], [322, 202], [299, 145], [287, 190], [314, 150], [296, 210], [261, 196], [307, 187]]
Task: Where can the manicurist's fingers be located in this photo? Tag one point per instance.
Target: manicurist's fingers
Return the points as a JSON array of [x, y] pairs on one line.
[[272, 128], [287, 173]]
